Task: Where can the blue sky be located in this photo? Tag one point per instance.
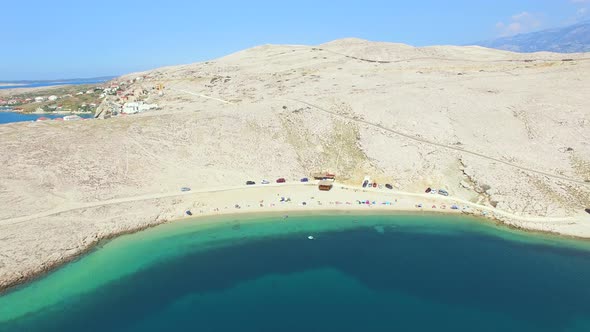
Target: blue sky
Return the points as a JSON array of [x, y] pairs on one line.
[[65, 39]]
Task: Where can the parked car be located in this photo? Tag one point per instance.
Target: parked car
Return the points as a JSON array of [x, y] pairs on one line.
[[443, 192], [185, 189], [434, 191], [304, 180], [428, 190], [265, 182], [365, 183], [281, 180], [374, 184], [587, 210], [249, 183], [388, 186]]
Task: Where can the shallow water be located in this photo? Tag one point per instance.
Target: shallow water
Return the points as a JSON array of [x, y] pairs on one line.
[[361, 273], [37, 84], [9, 117]]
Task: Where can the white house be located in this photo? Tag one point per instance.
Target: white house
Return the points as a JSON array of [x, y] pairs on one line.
[[130, 108], [72, 118], [52, 98], [136, 107], [39, 99]]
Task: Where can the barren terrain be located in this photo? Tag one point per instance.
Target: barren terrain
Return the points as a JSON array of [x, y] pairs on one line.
[[506, 132]]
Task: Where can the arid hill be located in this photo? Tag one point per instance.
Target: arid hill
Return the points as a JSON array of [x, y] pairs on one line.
[[500, 129]]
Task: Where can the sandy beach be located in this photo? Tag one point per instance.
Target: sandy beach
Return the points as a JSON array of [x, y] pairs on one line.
[[136, 213]]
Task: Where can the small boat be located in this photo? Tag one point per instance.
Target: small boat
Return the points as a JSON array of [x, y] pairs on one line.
[[188, 212], [310, 237]]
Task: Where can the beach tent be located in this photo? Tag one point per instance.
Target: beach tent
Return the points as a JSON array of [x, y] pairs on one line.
[[325, 185]]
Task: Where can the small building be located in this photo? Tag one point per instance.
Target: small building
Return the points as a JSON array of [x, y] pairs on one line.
[[72, 118], [52, 98], [323, 176], [325, 185], [39, 99]]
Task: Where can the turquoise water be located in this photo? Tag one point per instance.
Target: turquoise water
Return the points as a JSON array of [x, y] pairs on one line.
[[37, 84], [9, 117], [361, 273]]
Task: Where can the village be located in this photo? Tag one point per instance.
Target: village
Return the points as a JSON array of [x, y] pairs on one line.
[[123, 98]]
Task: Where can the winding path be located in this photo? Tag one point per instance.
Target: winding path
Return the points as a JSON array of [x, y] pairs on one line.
[[444, 146], [414, 138]]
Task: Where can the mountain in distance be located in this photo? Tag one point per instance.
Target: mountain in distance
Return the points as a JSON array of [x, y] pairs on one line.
[[570, 39]]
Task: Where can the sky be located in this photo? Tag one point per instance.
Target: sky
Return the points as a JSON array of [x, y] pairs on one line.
[[71, 39]]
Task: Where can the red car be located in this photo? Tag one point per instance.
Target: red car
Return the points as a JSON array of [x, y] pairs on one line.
[[374, 184], [281, 180]]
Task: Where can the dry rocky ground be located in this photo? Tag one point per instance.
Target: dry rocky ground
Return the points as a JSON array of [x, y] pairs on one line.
[[496, 128]]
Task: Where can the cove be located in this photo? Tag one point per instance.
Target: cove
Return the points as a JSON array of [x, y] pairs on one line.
[[361, 273]]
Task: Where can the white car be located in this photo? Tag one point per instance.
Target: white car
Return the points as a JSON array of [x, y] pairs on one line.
[[434, 191], [265, 182]]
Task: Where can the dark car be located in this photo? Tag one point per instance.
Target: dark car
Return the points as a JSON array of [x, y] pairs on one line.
[[304, 180], [249, 183], [587, 210], [388, 186], [281, 180], [365, 183], [185, 189], [428, 190], [443, 192], [374, 184]]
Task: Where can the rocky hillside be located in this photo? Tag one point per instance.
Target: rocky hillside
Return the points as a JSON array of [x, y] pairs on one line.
[[500, 128]]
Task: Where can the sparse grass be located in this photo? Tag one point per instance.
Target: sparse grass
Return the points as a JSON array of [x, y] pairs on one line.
[[337, 151]]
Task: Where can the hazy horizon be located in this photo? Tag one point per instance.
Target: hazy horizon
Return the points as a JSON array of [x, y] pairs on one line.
[[134, 36]]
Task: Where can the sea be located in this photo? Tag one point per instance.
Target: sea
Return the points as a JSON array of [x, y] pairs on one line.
[[8, 117], [319, 272], [38, 84]]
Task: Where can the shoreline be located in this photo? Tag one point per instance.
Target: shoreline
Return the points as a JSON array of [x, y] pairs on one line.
[[406, 206], [43, 113]]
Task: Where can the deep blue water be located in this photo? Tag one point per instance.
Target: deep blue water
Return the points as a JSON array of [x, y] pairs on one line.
[[390, 278], [37, 84], [8, 117]]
